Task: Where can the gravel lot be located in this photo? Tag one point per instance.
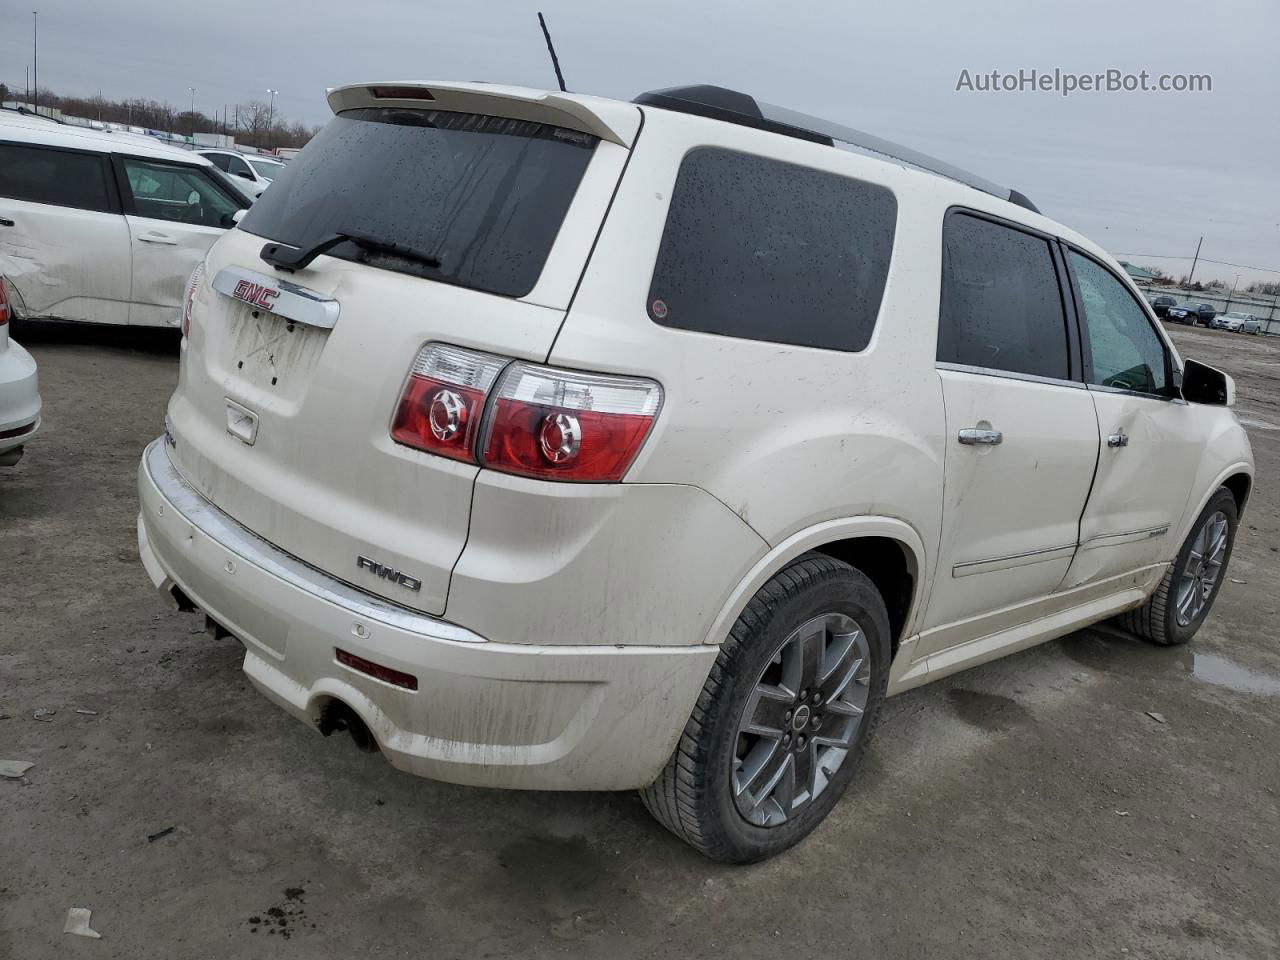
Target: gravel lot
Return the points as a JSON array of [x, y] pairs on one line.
[[1030, 808]]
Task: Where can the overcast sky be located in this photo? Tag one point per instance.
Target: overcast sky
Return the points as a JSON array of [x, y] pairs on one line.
[[1140, 173]]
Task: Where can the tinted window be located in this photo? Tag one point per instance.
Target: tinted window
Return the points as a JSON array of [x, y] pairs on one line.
[[765, 250], [1001, 304], [59, 177], [238, 166], [182, 194], [219, 160], [1126, 351], [483, 196]]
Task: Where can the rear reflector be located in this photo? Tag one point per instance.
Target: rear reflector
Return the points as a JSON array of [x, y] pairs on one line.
[[401, 93], [442, 403], [566, 425], [389, 675]]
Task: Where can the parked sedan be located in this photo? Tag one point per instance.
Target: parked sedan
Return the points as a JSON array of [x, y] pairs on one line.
[[104, 227], [1232, 321], [1192, 313], [19, 393], [1162, 304]]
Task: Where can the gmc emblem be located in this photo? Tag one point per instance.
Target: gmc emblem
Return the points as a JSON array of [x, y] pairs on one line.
[[255, 294], [388, 573]]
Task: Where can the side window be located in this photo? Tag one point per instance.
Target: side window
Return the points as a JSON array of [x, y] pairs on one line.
[[765, 250], [1001, 303], [60, 177], [239, 167], [219, 160], [1126, 351], [170, 191]]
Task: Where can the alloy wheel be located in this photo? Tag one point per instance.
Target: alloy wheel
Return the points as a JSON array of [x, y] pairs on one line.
[[801, 719], [1202, 569]]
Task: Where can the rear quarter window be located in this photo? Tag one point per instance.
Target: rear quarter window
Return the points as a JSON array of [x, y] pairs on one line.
[[760, 249]]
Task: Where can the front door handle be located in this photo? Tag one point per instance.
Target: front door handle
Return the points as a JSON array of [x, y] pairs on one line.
[[1118, 440], [970, 435], [156, 238], [5, 222]]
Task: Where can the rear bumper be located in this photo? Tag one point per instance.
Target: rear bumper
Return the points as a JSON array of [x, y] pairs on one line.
[[19, 397], [521, 715]]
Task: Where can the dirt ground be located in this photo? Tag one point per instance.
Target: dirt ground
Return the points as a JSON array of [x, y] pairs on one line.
[[1030, 808]]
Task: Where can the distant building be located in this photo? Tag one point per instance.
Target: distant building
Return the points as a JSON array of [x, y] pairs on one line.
[[1138, 274]]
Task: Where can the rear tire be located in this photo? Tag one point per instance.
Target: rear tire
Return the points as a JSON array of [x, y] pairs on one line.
[[1172, 615], [782, 722]]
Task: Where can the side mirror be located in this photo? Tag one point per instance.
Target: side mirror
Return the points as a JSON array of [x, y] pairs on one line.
[[1202, 383], [245, 175], [238, 216]]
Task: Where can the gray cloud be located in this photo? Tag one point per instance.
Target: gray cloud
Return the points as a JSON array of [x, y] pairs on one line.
[[1140, 173]]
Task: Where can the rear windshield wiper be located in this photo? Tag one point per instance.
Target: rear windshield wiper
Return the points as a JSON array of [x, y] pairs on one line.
[[285, 257]]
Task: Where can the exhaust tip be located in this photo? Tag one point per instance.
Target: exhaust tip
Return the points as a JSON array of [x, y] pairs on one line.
[[337, 717]]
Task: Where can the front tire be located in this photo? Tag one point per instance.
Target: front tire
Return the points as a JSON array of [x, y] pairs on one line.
[[784, 717], [1172, 615]]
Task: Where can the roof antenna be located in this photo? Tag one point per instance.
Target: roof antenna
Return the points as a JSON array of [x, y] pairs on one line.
[[555, 61]]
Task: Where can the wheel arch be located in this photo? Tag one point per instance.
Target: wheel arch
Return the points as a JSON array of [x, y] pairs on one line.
[[1237, 478], [889, 551]]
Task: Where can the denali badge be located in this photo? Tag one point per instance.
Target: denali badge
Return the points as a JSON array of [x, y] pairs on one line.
[[255, 294], [387, 573]]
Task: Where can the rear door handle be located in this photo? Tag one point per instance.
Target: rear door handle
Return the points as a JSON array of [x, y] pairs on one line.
[[5, 222], [154, 237], [971, 435], [1118, 440]]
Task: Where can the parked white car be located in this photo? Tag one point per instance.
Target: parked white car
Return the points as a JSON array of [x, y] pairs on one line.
[[19, 390], [255, 173], [1237, 322], [585, 445], [103, 227]]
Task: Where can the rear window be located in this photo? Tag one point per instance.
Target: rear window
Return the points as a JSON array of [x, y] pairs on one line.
[[482, 196], [61, 177], [765, 250]]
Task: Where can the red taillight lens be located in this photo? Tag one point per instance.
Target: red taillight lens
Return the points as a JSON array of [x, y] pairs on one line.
[[5, 310], [566, 425], [441, 405], [189, 296]]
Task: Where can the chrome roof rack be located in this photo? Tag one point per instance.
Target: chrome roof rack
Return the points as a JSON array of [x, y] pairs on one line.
[[718, 103]]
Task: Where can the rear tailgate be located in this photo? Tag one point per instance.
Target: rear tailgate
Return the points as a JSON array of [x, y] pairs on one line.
[[283, 421]]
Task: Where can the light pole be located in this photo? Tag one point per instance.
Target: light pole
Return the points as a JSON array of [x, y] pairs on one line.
[[193, 113], [271, 110], [35, 60]]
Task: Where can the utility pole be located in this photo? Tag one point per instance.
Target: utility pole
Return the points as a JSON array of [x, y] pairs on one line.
[[271, 113], [35, 60], [193, 113], [1194, 262]]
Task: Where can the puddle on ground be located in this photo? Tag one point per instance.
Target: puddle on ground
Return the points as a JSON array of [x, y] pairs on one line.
[[1224, 673]]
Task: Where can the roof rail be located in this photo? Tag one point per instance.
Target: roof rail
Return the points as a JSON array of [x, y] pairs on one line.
[[718, 103]]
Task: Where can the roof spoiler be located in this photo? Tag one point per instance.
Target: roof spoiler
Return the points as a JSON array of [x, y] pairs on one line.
[[516, 103], [721, 104]]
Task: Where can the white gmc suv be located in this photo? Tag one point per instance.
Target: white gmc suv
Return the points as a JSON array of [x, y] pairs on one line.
[[554, 442]]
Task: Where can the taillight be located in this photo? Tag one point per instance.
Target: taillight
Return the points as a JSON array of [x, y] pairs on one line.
[[566, 425], [536, 422], [441, 406], [5, 309], [189, 297]]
